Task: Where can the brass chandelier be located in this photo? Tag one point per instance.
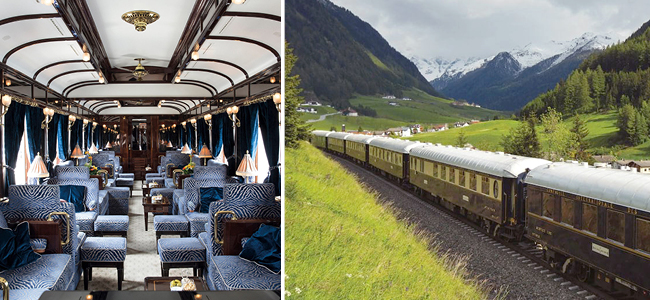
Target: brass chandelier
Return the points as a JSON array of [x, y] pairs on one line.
[[139, 71], [140, 18]]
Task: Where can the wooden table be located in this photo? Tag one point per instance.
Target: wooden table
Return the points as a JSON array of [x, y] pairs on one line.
[[162, 283], [149, 207], [162, 295], [146, 190]]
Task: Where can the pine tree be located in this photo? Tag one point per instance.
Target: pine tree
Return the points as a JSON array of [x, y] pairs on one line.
[[556, 135], [598, 87], [294, 128], [523, 141], [626, 124], [580, 144], [640, 129], [461, 139]]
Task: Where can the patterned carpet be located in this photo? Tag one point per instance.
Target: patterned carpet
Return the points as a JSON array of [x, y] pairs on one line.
[[141, 258]]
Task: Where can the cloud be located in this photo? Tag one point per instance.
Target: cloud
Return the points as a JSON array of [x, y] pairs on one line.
[[480, 28]]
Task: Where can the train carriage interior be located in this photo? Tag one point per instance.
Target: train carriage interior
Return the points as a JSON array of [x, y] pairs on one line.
[[140, 149]]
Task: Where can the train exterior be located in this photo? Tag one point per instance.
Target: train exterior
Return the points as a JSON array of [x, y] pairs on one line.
[[483, 185], [356, 146], [391, 156], [593, 222], [319, 138], [336, 142]]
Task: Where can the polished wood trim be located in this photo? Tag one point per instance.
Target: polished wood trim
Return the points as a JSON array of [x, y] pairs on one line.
[[201, 84], [86, 83], [213, 72], [74, 84], [56, 64], [192, 27], [68, 73], [225, 63], [252, 15], [28, 17], [245, 40], [36, 42]]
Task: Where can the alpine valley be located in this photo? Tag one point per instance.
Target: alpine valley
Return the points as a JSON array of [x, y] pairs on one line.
[[510, 79]]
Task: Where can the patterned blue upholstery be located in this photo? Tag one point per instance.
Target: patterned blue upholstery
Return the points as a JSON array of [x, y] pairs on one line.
[[112, 223], [170, 223], [192, 191], [248, 201], [102, 196], [82, 161], [72, 173], [3, 222], [213, 172], [196, 159], [118, 200], [197, 222], [230, 272], [104, 249], [214, 162], [86, 221], [127, 175], [181, 250], [159, 180], [103, 159], [26, 294], [169, 183], [51, 271], [38, 244], [168, 193], [92, 188], [124, 181], [178, 194], [177, 159], [153, 175]]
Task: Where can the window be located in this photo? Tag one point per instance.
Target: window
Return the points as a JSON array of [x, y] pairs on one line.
[[261, 161], [452, 175], [643, 234], [461, 178], [428, 168], [485, 185], [548, 205], [495, 189], [443, 172], [535, 201], [472, 181], [435, 170], [590, 218], [421, 165], [616, 226], [567, 211]]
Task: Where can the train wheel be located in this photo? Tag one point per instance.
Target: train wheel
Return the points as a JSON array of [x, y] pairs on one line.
[[584, 273]]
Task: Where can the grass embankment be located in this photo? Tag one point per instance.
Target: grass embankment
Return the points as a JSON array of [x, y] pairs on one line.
[[341, 244]]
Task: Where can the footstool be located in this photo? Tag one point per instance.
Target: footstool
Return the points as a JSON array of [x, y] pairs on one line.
[[181, 253], [125, 182], [170, 224], [111, 225], [103, 252]]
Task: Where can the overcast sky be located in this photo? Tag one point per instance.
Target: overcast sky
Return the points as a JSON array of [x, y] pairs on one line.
[[481, 28]]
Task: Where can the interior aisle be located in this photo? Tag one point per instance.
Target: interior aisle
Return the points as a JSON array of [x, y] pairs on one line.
[[141, 258]]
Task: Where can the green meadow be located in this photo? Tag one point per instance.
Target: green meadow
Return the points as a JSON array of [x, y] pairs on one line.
[[341, 244]]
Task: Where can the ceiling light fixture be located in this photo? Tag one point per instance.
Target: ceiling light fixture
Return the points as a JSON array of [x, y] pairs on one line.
[[139, 71], [8, 82], [238, 1], [177, 79], [47, 2], [101, 79], [195, 55], [85, 56], [140, 18], [272, 80]]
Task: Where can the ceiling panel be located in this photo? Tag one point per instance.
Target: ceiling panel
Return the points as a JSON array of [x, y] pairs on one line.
[[123, 43], [48, 73], [17, 33], [12, 8], [251, 57], [262, 30], [273, 7], [32, 58], [118, 90], [217, 81], [60, 83]]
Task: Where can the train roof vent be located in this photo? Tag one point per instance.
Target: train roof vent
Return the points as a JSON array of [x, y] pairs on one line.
[[584, 164]]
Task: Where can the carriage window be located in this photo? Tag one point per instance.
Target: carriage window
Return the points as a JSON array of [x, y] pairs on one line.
[[485, 185], [495, 189], [428, 168], [472, 181], [452, 175], [616, 226], [535, 201], [435, 170], [548, 205], [643, 234], [590, 218], [443, 172], [461, 178], [567, 211], [421, 165]]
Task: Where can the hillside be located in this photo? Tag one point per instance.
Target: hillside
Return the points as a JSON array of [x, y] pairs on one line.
[[351, 247], [340, 55]]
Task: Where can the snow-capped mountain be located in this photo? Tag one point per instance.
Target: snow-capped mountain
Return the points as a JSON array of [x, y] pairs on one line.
[[527, 56]]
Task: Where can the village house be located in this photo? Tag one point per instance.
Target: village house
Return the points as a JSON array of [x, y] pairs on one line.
[[349, 112]]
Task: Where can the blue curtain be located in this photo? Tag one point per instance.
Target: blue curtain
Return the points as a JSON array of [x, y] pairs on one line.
[[63, 137], [270, 127], [191, 133], [203, 134], [228, 139], [34, 116], [96, 136], [52, 129], [14, 129], [217, 129], [181, 132], [247, 132], [88, 141], [75, 134]]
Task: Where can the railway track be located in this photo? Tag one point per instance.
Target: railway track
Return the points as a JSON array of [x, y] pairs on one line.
[[526, 254]]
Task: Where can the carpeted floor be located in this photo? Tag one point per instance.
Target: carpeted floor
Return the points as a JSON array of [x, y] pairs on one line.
[[141, 258]]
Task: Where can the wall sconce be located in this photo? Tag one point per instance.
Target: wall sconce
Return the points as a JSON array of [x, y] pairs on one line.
[[48, 112], [94, 125], [193, 122], [195, 55], [85, 121], [238, 1], [277, 99], [183, 123], [232, 115], [85, 56], [174, 128], [208, 119], [104, 128], [119, 105], [71, 120], [8, 82], [115, 126], [6, 101], [101, 79], [272, 79]]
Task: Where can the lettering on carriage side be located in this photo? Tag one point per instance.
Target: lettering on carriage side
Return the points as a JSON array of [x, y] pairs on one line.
[[489, 208], [465, 198], [600, 249], [625, 283], [632, 211], [426, 181], [536, 235]]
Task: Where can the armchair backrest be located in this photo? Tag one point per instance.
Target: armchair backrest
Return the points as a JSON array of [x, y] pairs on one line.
[[213, 163], [196, 159], [192, 187], [70, 173], [177, 160], [92, 188], [247, 201], [104, 159], [210, 172], [38, 202]]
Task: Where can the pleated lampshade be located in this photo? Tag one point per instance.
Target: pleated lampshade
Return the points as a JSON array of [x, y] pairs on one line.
[[108, 145], [169, 144], [76, 153], [38, 169], [93, 149], [247, 166], [205, 152], [186, 150]]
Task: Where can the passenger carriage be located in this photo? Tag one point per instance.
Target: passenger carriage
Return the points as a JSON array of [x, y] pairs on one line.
[[356, 147], [593, 222], [390, 157], [479, 184], [318, 138], [112, 110], [336, 142]]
